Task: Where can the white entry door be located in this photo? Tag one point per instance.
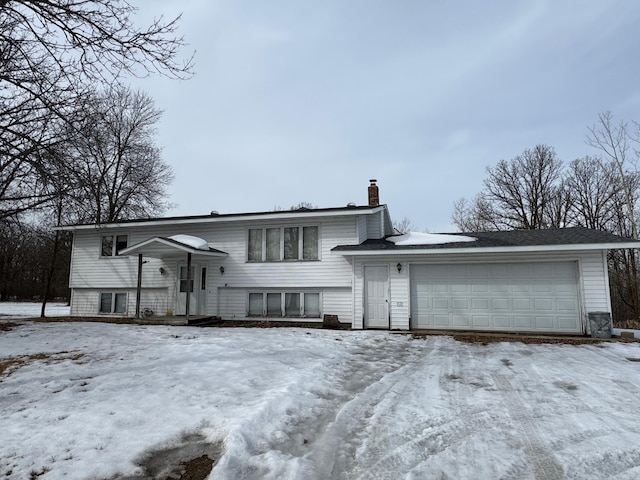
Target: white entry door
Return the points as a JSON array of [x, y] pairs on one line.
[[183, 284], [376, 297]]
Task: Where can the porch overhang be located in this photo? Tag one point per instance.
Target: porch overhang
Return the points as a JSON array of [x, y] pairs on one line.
[[164, 247]]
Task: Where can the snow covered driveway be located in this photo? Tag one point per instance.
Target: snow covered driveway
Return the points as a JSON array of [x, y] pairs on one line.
[[90, 401]]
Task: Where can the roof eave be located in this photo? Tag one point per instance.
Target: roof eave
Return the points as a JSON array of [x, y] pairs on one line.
[[339, 212], [480, 250]]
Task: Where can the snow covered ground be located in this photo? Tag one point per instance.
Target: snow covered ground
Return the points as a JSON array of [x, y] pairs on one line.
[[30, 309], [91, 400]]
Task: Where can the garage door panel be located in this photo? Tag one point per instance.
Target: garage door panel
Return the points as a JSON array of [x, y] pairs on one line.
[[522, 304], [498, 270], [441, 320], [480, 287], [501, 321], [543, 304], [460, 288], [479, 321], [440, 303], [499, 288], [543, 288], [545, 323], [565, 322], [567, 305], [500, 304], [518, 296], [461, 303], [523, 322], [480, 304], [521, 288]]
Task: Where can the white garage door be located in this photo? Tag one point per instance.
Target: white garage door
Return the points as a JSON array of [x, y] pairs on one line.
[[497, 296]]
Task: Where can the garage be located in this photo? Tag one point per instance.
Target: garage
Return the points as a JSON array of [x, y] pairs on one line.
[[523, 296]]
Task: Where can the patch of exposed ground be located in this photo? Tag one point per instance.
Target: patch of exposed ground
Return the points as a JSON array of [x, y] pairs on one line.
[[6, 326], [192, 459], [11, 364]]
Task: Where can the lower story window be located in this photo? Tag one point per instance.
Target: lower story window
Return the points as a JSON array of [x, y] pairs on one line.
[[284, 304], [113, 302]]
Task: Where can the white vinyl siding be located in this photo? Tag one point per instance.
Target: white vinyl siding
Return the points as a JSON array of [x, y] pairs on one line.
[[595, 282]]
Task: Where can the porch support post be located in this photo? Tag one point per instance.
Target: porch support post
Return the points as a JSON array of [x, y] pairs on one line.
[[189, 280], [139, 286]]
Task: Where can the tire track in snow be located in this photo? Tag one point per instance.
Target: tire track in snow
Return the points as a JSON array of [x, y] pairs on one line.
[[384, 453], [370, 378], [545, 465]]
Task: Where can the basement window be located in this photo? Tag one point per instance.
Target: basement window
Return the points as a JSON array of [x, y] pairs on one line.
[[284, 304], [113, 302]]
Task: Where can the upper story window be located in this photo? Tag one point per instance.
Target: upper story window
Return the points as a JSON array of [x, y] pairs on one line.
[[112, 245], [282, 243]]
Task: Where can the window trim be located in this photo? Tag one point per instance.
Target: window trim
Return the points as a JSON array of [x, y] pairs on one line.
[[281, 228], [114, 245], [113, 303], [283, 294]]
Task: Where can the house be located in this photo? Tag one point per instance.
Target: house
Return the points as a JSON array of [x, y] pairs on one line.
[[301, 265]]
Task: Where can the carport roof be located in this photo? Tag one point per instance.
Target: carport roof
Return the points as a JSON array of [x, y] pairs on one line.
[[574, 238]]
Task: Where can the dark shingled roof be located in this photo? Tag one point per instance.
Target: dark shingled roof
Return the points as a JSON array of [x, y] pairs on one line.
[[511, 238], [214, 215]]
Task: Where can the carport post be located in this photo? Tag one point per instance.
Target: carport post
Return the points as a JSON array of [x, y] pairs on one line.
[[188, 299], [139, 286]]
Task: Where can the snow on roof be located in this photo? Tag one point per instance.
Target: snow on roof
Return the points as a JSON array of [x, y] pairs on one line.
[[419, 238], [195, 242]]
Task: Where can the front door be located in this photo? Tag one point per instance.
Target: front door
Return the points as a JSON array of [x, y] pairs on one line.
[[183, 284], [376, 297]]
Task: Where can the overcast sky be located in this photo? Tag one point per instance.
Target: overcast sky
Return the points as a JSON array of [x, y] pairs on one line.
[[306, 101]]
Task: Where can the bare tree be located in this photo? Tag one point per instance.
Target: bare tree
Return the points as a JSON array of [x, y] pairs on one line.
[[404, 225], [523, 193], [594, 185], [616, 142], [51, 53], [620, 144], [521, 190], [114, 164], [477, 215]]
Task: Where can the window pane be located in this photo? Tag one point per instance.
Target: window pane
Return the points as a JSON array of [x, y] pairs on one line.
[[105, 303], [292, 304], [183, 279], [311, 304], [255, 304], [107, 246], [273, 244], [203, 279], [310, 243], [291, 243], [121, 303], [121, 243], [274, 308], [255, 245]]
